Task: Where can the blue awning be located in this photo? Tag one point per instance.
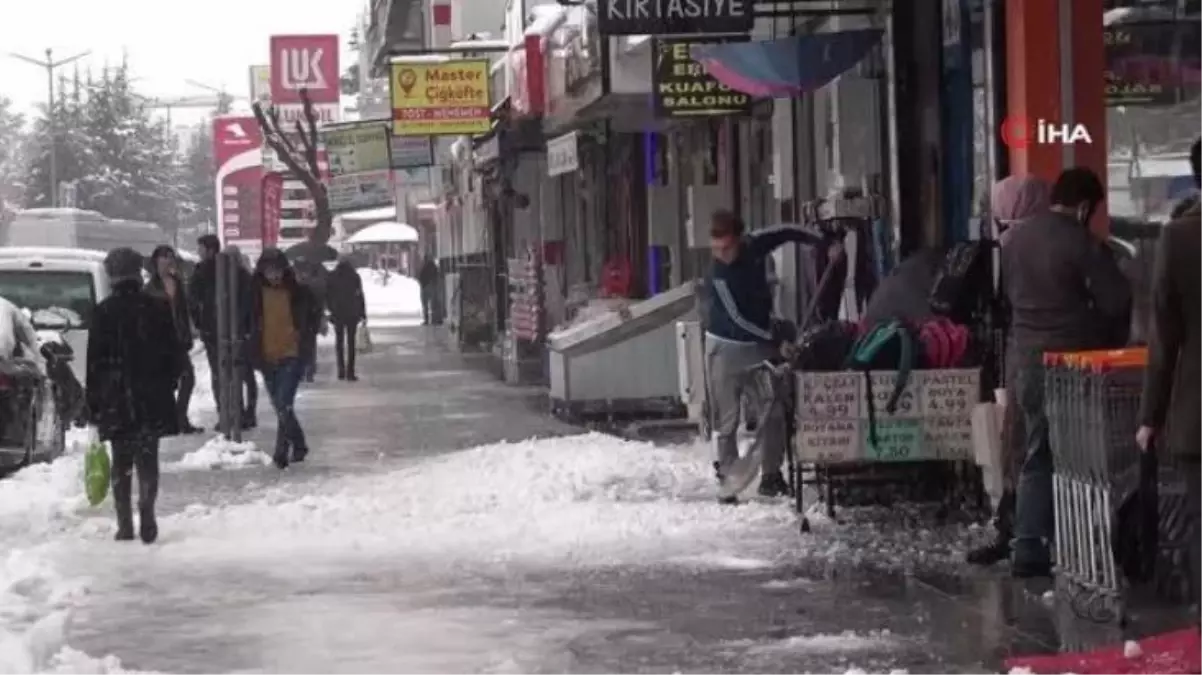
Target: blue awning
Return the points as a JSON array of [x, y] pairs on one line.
[[786, 67]]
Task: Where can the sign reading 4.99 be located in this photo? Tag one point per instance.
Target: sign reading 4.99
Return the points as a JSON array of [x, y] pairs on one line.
[[681, 86]]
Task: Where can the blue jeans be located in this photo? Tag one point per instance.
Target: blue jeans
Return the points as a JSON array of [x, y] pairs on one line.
[[282, 380], [1034, 518]]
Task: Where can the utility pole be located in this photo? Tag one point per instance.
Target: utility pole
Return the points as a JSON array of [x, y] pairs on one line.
[[50, 65]]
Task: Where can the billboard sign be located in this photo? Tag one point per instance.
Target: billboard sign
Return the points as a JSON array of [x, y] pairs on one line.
[[412, 151], [304, 62], [260, 84], [360, 165], [441, 99], [233, 136], [682, 88], [639, 17]]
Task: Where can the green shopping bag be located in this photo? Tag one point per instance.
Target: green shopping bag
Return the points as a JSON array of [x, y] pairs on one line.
[[96, 469]]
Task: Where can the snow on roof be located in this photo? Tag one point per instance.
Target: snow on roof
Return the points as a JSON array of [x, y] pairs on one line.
[[546, 19], [384, 233], [382, 213], [472, 45]]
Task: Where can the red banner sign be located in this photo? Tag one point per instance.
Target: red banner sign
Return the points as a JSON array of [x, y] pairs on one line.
[[272, 199]]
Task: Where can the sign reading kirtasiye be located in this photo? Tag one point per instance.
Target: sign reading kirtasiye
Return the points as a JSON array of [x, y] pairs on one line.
[[668, 17], [682, 88]]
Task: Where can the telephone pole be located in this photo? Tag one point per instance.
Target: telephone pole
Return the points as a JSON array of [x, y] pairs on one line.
[[50, 65]]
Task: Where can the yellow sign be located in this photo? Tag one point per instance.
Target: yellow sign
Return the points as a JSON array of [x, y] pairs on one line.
[[440, 99]]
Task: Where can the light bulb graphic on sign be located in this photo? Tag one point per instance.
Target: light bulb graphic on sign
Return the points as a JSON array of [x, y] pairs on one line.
[[406, 79]]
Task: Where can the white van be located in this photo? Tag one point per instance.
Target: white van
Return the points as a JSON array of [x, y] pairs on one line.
[[67, 278]]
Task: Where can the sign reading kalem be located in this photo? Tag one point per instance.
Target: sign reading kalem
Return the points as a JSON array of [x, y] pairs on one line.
[[307, 62], [667, 17], [440, 99], [682, 88]]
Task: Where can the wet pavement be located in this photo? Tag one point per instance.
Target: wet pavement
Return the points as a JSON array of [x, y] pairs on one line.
[[873, 596]]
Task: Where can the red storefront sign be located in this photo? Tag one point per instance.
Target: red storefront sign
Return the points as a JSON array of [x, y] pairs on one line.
[[236, 152], [307, 62]]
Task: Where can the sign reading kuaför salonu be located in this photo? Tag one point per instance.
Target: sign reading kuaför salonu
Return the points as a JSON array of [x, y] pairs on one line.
[[666, 17], [681, 86]]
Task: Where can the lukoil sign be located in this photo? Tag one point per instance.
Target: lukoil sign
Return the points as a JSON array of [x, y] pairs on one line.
[[1019, 133], [307, 62]]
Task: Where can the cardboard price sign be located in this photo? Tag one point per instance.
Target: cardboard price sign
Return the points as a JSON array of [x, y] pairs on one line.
[[682, 88]]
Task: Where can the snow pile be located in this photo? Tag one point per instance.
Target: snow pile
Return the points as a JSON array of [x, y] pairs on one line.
[[585, 500], [34, 611], [823, 643], [44, 498], [387, 293], [221, 453]]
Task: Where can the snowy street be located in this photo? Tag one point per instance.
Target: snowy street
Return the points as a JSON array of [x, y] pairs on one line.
[[427, 532]]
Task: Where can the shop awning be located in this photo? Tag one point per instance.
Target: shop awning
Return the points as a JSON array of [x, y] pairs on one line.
[[788, 66]]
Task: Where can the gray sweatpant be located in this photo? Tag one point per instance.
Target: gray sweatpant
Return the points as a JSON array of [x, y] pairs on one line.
[[726, 365]]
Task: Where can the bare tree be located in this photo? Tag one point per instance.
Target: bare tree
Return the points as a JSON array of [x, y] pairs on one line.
[[298, 152]]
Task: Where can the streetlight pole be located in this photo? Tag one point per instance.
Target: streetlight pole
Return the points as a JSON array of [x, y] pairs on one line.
[[51, 65]]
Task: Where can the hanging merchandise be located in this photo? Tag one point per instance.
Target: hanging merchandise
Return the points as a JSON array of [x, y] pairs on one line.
[[526, 296]]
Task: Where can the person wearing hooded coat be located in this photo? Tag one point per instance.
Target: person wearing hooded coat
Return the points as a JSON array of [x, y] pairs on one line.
[[167, 285], [344, 299], [134, 364], [284, 318]]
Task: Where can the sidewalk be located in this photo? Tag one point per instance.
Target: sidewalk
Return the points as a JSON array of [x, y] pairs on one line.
[[409, 542]]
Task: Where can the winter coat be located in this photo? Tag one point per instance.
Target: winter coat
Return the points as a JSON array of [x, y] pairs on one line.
[[1171, 387], [905, 293], [134, 362], [306, 317], [202, 299], [344, 295], [1065, 289], [181, 308], [427, 276]]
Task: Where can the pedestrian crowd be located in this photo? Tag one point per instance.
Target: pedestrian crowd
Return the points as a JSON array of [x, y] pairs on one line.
[[140, 377]]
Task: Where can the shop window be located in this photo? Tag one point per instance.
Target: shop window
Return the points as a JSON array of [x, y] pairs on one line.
[[1153, 71]]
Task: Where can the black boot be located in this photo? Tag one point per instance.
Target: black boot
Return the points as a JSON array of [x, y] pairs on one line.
[[249, 420], [774, 485], [148, 492], [999, 550], [718, 474], [122, 497]]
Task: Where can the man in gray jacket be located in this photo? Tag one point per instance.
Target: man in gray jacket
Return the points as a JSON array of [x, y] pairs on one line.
[[1066, 293], [1169, 411]]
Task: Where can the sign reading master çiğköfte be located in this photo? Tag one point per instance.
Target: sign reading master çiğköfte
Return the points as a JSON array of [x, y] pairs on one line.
[[667, 17], [681, 86]]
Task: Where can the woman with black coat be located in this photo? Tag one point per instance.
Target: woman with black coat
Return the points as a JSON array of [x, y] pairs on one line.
[[344, 299], [166, 283]]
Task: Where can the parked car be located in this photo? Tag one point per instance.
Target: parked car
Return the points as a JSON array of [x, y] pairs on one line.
[[39, 397]]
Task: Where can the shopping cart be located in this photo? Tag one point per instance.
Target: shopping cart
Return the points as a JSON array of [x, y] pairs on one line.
[[1092, 404]]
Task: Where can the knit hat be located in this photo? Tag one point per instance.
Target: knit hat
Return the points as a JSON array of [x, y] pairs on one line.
[[123, 264]]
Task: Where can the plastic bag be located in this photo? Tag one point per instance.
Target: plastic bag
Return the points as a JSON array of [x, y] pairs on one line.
[[97, 469], [363, 339]]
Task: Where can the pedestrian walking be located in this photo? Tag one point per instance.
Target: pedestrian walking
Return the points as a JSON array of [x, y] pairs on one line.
[[1066, 293], [427, 280], [285, 313], [134, 364], [344, 299], [203, 308], [167, 285], [738, 334], [1169, 420], [1014, 201]]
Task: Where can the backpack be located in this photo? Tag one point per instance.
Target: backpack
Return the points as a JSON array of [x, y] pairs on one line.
[[944, 343], [887, 346], [960, 281], [825, 347]]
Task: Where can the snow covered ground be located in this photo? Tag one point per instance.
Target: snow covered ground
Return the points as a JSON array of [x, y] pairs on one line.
[[579, 553], [391, 298], [451, 525]]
